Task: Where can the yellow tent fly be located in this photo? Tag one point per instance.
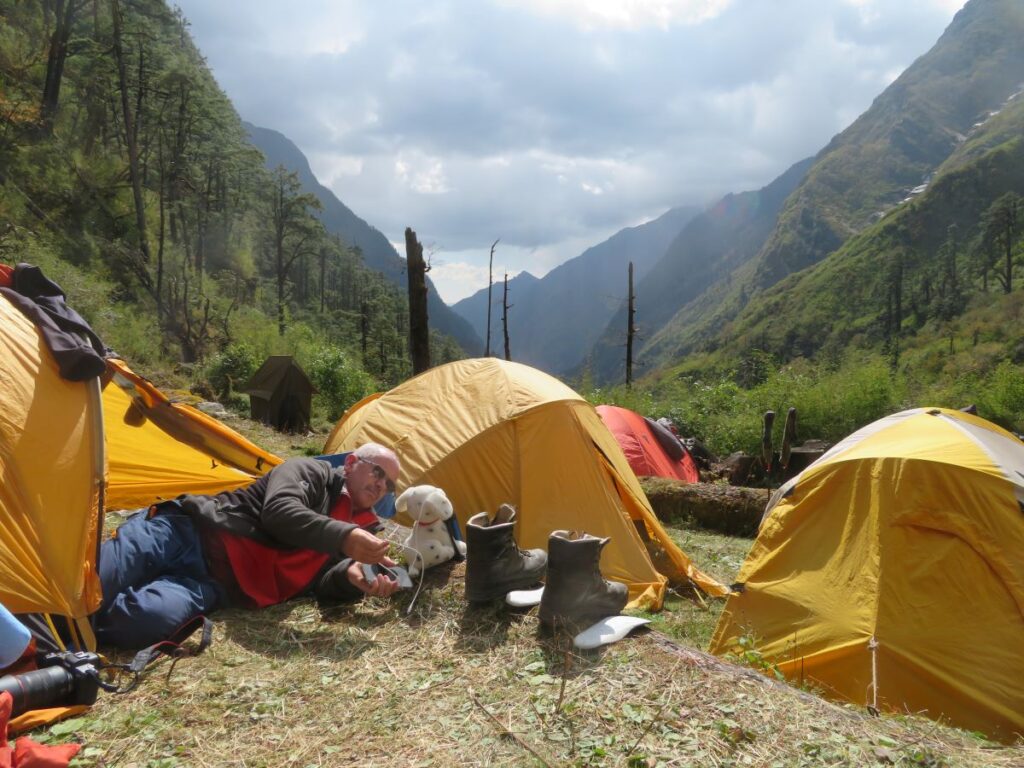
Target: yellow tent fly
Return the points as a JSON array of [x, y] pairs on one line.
[[490, 432], [890, 572], [69, 451]]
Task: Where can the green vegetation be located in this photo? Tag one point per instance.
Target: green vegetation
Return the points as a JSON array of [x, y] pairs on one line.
[[832, 400], [126, 174]]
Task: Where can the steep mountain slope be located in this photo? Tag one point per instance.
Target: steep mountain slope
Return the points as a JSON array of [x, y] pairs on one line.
[[710, 247], [911, 274], [884, 157], [378, 253], [555, 320], [909, 130]]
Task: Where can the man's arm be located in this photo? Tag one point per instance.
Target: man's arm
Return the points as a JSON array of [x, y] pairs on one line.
[[288, 516]]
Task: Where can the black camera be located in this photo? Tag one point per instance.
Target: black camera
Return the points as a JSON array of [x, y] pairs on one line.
[[62, 679]]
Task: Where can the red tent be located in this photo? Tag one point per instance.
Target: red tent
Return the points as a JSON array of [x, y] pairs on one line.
[[649, 447]]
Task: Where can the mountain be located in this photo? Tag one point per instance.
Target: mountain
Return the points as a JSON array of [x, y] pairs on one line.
[[708, 248], [377, 251], [886, 159], [923, 276], [554, 320]]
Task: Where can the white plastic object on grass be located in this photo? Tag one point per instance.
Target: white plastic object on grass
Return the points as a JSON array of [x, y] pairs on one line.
[[607, 631], [524, 598]]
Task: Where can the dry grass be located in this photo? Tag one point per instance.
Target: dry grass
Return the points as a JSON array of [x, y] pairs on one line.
[[300, 685], [449, 685]]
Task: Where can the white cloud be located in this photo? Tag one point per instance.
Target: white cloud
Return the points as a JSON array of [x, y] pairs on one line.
[[330, 168], [626, 14], [552, 123], [421, 174]]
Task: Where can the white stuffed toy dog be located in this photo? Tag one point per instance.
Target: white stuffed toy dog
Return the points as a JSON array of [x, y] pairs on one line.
[[430, 542]]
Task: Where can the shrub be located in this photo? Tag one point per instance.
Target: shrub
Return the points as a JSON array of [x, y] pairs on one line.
[[231, 367], [1001, 398], [340, 381]]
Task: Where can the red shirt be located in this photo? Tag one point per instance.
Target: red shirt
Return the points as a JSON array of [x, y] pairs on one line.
[[267, 575]]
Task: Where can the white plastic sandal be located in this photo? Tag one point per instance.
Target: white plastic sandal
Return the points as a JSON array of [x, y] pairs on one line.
[[524, 598], [607, 631]]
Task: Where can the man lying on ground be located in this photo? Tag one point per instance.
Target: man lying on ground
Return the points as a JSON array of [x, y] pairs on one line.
[[299, 529]]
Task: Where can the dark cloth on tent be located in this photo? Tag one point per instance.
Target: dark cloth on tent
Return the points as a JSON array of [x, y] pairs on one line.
[[668, 441], [79, 352]]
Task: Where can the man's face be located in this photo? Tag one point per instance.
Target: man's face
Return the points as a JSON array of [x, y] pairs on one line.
[[367, 480]]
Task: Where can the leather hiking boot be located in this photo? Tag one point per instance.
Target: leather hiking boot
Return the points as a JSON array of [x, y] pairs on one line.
[[575, 594], [494, 564]]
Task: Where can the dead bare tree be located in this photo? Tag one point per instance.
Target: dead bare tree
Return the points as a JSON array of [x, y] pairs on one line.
[[630, 329], [419, 328], [504, 318], [490, 284]]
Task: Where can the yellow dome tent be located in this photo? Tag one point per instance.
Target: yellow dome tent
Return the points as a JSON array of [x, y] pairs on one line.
[[52, 470], [68, 452], [891, 572], [490, 432], [158, 449]]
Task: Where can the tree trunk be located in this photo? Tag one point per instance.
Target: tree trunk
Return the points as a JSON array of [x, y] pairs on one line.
[[364, 327], [490, 284], [323, 276], [504, 319], [630, 329], [64, 13], [419, 328], [129, 130]]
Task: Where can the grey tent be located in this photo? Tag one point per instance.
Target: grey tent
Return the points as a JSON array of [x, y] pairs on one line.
[[280, 393]]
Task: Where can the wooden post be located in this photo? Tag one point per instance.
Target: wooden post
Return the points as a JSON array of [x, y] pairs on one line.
[[419, 327], [630, 329], [504, 318], [788, 438], [766, 441]]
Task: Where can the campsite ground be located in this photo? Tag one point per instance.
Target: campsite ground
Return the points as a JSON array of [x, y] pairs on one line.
[[446, 685]]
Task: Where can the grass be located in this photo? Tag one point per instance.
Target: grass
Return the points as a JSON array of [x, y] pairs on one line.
[[307, 685], [446, 684]]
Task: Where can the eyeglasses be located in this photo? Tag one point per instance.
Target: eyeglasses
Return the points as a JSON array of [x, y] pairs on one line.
[[380, 474]]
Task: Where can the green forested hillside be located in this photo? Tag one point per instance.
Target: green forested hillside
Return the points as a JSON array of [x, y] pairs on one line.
[[903, 247], [125, 172], [910, 129], [926, 307]]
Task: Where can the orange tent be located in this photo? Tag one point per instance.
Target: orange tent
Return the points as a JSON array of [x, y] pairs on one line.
[[644, 451]]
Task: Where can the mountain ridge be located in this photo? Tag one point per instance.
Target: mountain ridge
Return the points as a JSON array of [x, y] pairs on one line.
[[556, 319], [884, 158], [339, 219]]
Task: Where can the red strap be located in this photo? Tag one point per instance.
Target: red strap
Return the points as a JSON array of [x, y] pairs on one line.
[[6, 276]]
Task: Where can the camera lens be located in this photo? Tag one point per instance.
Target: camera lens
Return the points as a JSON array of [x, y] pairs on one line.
[[38, 689]]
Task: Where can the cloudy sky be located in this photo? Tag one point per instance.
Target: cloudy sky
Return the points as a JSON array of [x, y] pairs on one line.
[[551, 124]]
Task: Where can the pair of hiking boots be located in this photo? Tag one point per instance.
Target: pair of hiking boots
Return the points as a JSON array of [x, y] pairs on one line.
[[575, 594]]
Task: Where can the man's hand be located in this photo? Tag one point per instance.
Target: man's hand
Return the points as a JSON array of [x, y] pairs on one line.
[[382, 586], [365, 547]]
